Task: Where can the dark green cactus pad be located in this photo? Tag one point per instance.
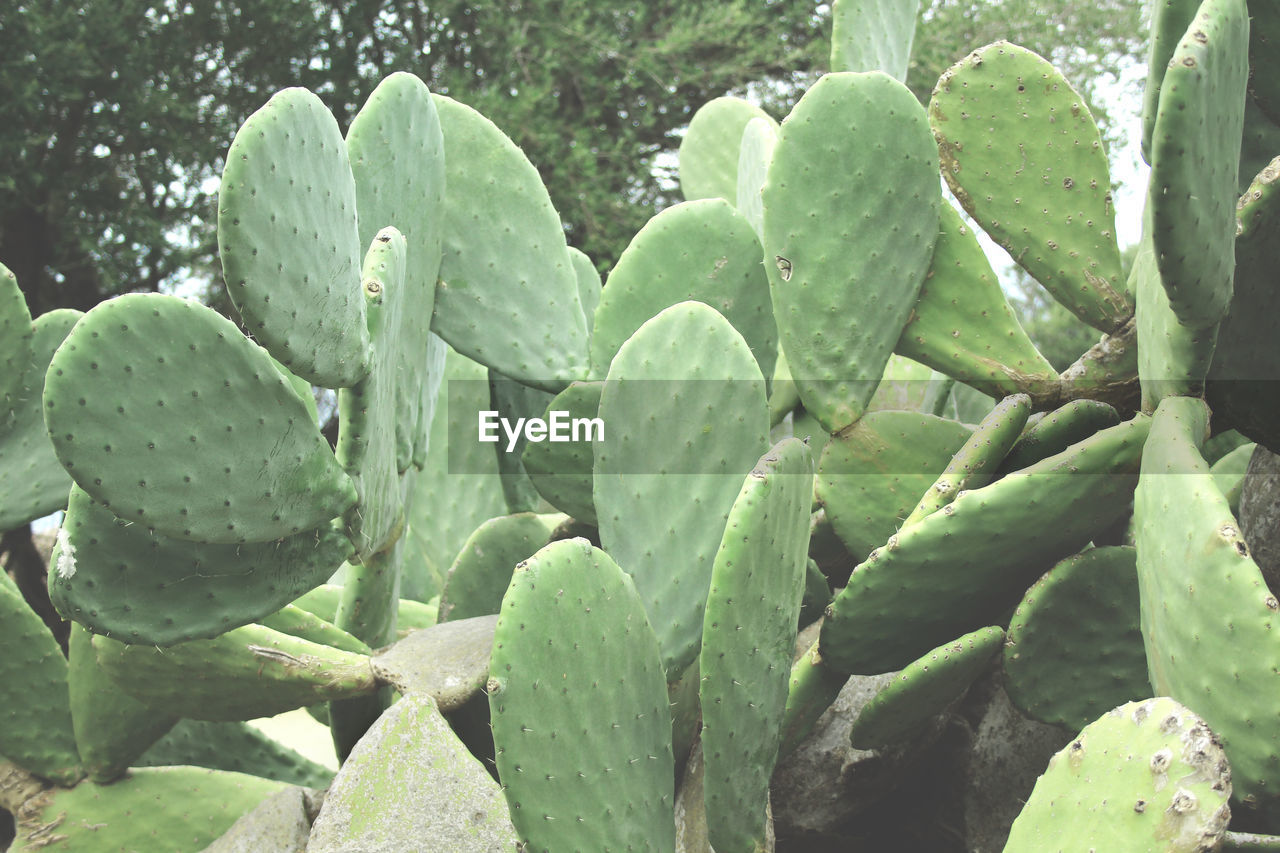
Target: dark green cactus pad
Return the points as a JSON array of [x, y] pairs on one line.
[[840, 318], [1169, 20], [139, 586], [457, 488], [35, 707], [974, 464], [15, 345], [873, 35], [1217, 446], [924, 688], [589, 283], [962, 324], [965, 565], [1075, 648], [200, 438], [1208, 627], [508, 293], [1058, 430], [904, 386], [480, 575], [1228, 472], [1023, 156], [244, 674], [759, 138], [112, 728], [170, 809], [369, 411], [1264, 57], [703, 251], [32, 480], [561, 471], [236, 747], [288, 242], [411, 778], [968, 405], [397, 159], [1245, 363], [708, 155], [663, 407], [1173, 358], [515, 402], [870, 477], [748, 641], [1195, 157], [1145, 776], [300, 622], [578, 698]]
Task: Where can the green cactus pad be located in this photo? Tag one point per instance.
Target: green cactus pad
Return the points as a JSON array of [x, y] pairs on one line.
[[514, 402], [870, 477], [1056, 431], [561, 471], [1208, 627], [700, 250], [32, 480], [1174, 358], [323, 602], [200, 438], [1075, 648], [967, 563], [759, 138], [663, 407], [480, 575], [1024, 158], [853, 155], [589, 284], [974, 464], [904, 385], [1229, 471], [458, 487], [411, 778], [708, 155], [300, 622], [244, 674], [873, 36], [112, 729], [35, 707], [1245, 364], [1195, 157], [368, 411], [131, 583], [508, 293], [1145, 776], [748, 641], [288, 242], [177, 809], [924, 688], [1169, 20], [236, 747], [15, 344], [397, 159], [962, 324], [578, 699]]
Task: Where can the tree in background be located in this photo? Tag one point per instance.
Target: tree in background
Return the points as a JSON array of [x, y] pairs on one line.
[[120, 111]]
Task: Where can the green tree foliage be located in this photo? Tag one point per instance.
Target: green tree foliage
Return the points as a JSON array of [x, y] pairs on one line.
[[118, 112]]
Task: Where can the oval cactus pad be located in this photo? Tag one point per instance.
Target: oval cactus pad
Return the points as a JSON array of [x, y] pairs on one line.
[[288, 242], [160, 409]]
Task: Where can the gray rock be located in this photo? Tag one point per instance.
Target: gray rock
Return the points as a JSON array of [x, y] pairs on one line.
[[282, 824], [410, 786], [1260, 513], [449, 662]]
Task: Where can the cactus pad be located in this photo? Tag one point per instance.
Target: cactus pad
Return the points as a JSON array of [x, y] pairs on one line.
[[873, 35], [288, 242], [1145, 776], [481, 573], [854, 154], [15, 344], [200, 436], [708, 155], [579, 706]]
